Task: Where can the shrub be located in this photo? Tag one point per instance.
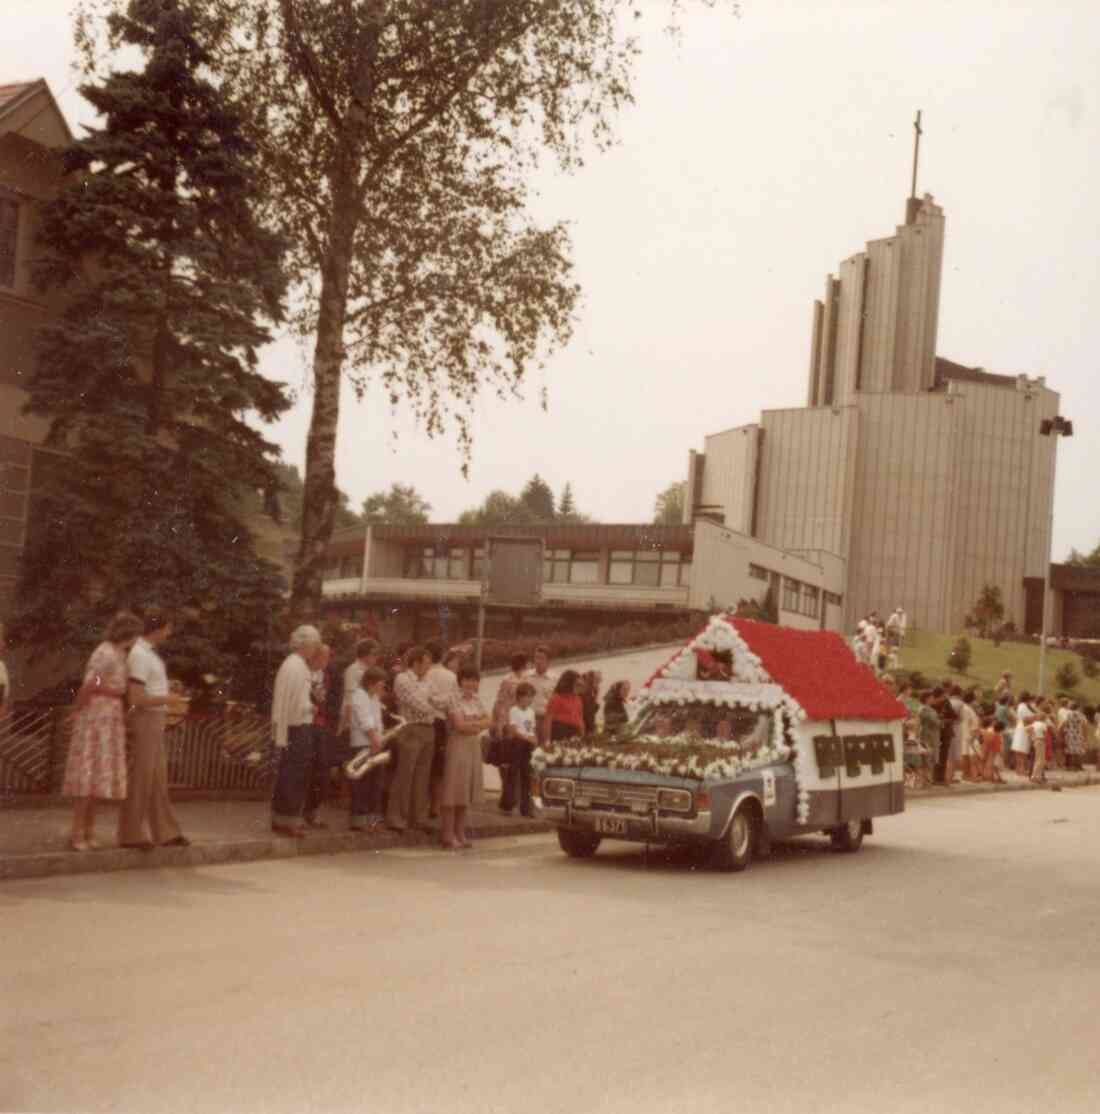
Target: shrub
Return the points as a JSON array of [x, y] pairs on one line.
[[1090, 667], [1066, 677], [959, 658]]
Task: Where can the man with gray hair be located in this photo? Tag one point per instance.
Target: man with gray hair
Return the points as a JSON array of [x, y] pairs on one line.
[[292, 729]]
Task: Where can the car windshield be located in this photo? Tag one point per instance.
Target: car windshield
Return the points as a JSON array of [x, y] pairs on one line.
[[712, 723]]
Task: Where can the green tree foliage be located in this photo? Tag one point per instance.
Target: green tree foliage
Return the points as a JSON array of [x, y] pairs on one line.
[[533, 506], [1090, 560], [398, 137], [499, 509], [537, 497], [1066, 677], [959, 657], [988, 611], [146, 377], [668, 508], [402, 505], [1089, 667]]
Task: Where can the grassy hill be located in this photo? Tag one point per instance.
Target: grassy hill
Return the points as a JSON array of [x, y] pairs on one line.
[[927, 652]]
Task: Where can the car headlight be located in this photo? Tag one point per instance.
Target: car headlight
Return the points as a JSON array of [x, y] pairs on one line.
[[559, 788], [674, 800]]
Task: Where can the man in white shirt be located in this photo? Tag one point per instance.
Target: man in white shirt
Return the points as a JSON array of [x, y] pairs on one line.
[[443, 690], [147, 800], [367, 653], [292, 728], [543, 682]]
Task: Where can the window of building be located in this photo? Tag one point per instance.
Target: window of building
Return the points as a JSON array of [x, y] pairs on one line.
[[425, 562], [430, 562], [648, 568], [9, 239], [758, 572], [351, 567], [571, 566], [834, 599], [457, 562], [477, 566], [791, 595], [811, 601]]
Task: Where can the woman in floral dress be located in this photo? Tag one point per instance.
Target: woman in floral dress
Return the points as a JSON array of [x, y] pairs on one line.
[[96, 767]]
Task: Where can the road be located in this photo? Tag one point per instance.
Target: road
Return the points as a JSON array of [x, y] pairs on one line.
[[949, 965]]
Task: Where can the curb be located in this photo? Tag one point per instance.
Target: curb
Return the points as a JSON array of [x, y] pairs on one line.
[[963, 789], [44, 864]]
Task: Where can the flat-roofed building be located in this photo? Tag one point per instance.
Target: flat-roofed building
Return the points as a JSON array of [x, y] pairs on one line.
[[409, 578], [925, 479]]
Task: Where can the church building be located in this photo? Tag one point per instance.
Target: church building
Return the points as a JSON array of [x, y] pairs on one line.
[[924, 478]]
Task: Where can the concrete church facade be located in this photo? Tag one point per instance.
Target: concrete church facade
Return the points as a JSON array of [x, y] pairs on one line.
[[925, 479]]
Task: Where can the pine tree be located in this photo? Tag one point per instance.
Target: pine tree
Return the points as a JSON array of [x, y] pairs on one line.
[[538, 498], [567, 507], [147, 376]]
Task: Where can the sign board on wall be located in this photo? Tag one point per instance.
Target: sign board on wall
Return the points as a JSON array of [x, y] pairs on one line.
[[514, 570]]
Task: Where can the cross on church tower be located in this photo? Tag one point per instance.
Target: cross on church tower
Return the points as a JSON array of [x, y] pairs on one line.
[[912, 204]]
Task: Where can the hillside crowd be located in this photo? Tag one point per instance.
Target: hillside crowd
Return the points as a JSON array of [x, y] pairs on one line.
[[954, 732]]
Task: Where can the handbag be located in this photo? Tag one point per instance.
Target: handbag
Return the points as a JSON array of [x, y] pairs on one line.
[[499, 750]]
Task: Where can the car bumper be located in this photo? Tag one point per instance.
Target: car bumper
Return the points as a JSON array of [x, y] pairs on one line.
[[647, 827]]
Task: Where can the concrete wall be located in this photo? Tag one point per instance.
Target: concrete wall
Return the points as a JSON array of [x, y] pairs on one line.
[[807, 460], [729, 476], [876, 330], [720, 572], [903, 519], [952, 492]]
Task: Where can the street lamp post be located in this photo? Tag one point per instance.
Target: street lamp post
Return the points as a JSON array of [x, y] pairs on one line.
[[1049, 427]]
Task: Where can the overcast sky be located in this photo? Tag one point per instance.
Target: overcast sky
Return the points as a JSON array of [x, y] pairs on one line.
[[762, 151]]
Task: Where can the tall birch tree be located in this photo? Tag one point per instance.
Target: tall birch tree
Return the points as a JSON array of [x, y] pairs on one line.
[[398, 140]]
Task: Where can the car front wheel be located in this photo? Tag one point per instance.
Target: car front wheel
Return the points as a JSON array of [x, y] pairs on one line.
[[848, 837], [734, 850], [578, 845]]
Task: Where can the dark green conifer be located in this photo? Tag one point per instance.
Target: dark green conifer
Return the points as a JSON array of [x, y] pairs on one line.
[[149, 377]]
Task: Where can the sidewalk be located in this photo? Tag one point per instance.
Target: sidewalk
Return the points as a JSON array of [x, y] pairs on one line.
[[34, 840]]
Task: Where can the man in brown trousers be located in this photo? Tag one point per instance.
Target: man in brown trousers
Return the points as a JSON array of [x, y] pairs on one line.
[[147, 798]]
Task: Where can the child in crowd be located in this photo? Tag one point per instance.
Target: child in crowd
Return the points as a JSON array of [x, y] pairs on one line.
[[366, 731], [991, 749], [521, 742]]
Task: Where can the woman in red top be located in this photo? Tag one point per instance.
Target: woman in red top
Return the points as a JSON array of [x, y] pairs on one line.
[[564, 709]]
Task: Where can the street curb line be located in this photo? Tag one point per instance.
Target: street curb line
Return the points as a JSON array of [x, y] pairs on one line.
[[43, 864], [964, 790]]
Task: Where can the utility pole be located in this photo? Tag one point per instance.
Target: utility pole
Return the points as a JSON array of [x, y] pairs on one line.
[[1049, 427]]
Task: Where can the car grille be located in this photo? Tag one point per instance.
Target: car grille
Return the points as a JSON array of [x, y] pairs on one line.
[[624, 798]]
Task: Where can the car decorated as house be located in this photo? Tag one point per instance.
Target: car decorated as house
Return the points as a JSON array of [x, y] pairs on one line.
[[749, 733]]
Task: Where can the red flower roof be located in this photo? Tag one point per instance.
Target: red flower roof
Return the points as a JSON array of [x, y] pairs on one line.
[[818, 669]]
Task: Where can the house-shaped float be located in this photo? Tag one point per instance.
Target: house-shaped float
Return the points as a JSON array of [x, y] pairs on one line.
[[830, 717]]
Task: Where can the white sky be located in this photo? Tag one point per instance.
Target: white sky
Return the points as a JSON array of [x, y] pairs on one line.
[[761, 152]]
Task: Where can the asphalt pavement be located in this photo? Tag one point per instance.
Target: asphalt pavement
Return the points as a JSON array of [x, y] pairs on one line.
[[950, 965]]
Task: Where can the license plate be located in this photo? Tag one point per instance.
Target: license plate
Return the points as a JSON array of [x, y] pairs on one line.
[[611, 825]]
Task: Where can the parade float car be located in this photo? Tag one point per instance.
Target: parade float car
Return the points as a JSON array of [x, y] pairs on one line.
[[749, 733]]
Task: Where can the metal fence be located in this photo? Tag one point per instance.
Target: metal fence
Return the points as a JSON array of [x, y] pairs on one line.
[[226, 750]]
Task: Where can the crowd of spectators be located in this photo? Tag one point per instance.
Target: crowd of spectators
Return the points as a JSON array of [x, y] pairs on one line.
[[955, 732], [421, 706]]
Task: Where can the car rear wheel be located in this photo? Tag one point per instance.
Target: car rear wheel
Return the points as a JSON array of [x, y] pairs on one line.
[[734, 850], [848, 837], [578, 845]]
